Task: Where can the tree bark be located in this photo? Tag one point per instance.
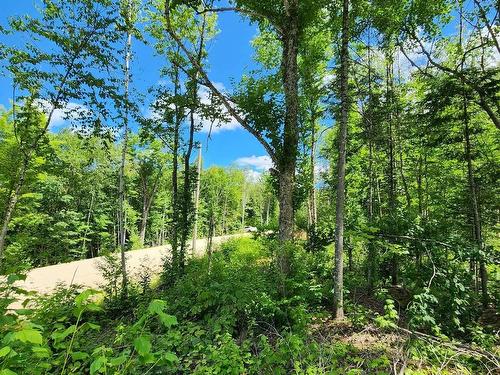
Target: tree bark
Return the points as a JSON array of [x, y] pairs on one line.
[[186, 194], [372, 252], [285, 157], [391, 156], [175, 168], [196, 202], [476, 218], [313, 216], [288, 157], [121, 183], [338, 293]]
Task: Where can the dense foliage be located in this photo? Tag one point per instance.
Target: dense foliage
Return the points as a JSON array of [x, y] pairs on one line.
[[226, 317], [378, 221], [68, 210]]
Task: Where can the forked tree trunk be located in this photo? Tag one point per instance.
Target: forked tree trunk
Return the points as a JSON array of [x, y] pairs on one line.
[[338, 293]]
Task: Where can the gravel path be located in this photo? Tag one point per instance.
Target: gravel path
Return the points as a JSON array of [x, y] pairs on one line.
[[86, 272]]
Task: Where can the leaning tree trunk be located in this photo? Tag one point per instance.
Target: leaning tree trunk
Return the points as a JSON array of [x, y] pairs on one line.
[[338, 298], [11, 204]]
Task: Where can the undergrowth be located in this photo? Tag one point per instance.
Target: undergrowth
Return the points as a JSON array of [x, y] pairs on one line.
[[233, 313]]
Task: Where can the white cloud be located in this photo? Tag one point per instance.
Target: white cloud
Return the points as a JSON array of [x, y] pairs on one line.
[[252, 176], [320, 168], [71, 111], [327, 79], [217, 126], [206, 124], [259, 163]]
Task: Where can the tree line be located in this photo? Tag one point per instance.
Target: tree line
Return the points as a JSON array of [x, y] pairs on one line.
[[400, 98]]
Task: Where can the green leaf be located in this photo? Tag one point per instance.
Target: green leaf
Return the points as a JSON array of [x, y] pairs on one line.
[[143, 345], [118, 361], [167, 320], [41, 352], [84, 296], [4, 351], [24, 311], [170, 357], [28, 335], [156, 306], [58, 336], [93, 326], [12, 278], [99, 365], [77, 356], [6, 371]]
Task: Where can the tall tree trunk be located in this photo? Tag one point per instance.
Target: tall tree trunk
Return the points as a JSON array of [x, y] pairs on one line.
[[372, 252], [186, 201], [147, 201], [146, 206], [391, 167], [121, 183], [243, 204], [175, 179], [196, 202], [338, 286], [476, 218], [288, 157], [186, 193], [89, 214], [312, 193], [268, 207]]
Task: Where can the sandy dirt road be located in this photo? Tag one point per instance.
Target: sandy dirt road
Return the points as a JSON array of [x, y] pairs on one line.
[[86, 272]]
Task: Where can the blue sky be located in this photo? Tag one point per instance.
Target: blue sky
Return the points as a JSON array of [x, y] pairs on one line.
[[230, 54]]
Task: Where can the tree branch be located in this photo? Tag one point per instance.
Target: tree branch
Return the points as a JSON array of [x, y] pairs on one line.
[[460, 75], [209, 84], [248, 12]]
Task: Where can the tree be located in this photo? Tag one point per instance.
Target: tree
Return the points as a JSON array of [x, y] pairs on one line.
[[78, 38], [339, 216], [128, 11], [286, 22]]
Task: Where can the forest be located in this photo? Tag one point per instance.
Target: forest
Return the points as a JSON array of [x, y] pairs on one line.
[[363, 239]]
